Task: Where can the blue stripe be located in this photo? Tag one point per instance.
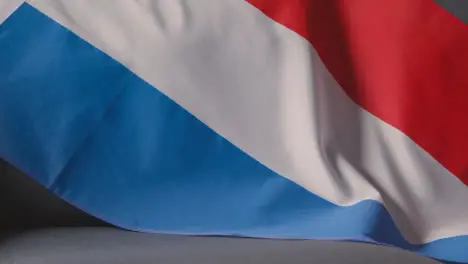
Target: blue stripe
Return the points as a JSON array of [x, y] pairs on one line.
[[103, 139]]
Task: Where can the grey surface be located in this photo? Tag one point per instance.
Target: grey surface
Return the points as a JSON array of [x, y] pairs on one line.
[[24, 204], [107, 245], [458, 8], [28, 205]]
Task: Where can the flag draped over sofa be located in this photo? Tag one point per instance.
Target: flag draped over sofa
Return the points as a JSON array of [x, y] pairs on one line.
[[304, 119]]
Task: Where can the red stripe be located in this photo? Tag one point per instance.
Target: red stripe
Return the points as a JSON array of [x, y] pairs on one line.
[[405, 61]]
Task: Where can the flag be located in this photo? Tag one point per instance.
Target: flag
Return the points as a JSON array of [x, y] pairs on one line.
[[286, 119]]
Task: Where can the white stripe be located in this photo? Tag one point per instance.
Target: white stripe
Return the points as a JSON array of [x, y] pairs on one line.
[[7, 7], [264, 88]]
